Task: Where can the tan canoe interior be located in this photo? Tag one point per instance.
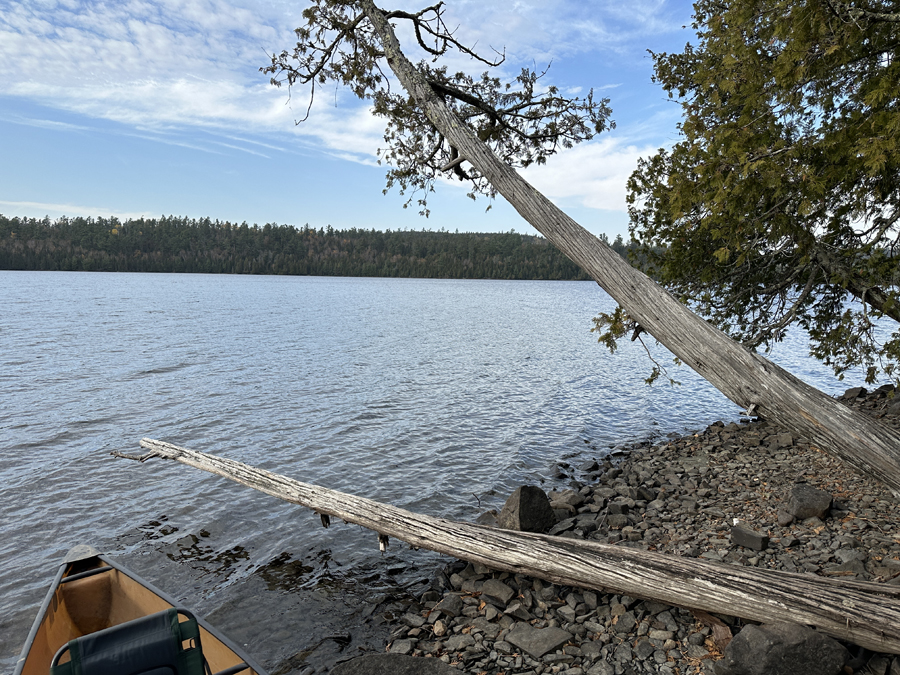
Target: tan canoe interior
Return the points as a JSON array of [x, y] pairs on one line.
[[96, 602]]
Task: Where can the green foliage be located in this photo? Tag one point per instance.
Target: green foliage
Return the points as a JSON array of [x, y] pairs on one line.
[[780, 204], [523, 121], [614, 326], [171, 244]]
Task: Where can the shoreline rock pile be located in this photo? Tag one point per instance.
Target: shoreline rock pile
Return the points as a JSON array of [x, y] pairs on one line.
[[745, 494]]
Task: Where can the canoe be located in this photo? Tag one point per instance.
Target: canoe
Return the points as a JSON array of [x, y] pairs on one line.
[[95, 601]]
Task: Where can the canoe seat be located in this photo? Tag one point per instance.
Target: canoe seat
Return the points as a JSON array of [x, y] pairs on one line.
[[158, 644]]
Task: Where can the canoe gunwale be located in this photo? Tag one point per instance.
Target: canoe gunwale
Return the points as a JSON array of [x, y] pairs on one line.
[[39, 619], [86, 573], [58, 580]]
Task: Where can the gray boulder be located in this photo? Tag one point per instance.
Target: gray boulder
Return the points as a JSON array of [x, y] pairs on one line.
[[527, 510], [393, 664], [782, 649], [805, 501]]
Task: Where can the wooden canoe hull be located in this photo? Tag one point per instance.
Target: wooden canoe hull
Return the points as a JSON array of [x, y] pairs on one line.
[[90, 592]]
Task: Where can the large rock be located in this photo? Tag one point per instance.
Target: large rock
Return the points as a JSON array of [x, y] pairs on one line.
[[527, 510], [393, 664], [805, 501], [782, 649]]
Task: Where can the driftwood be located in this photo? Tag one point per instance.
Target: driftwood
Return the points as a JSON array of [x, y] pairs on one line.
[[862, 613], [743, 376]]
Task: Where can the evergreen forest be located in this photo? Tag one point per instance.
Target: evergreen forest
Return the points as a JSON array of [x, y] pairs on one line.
[[179, 244]]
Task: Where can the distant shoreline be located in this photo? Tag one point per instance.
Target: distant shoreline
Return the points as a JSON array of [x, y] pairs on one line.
[[175, 244]]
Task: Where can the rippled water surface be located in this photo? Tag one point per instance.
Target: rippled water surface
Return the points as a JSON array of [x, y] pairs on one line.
[[437, 396]]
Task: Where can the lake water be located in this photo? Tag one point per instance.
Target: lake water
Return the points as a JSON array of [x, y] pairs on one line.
[[438, 396]]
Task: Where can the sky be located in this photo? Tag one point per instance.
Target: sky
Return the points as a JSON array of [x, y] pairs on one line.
[[133, 108]]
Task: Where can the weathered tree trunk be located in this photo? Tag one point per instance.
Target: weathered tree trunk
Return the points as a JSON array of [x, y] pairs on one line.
[[744, 377], [865, 614]]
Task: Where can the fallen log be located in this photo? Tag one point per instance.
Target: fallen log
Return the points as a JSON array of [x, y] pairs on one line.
[[862, 613]]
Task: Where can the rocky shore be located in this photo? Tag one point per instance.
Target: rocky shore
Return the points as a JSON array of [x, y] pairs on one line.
[[795, 507]]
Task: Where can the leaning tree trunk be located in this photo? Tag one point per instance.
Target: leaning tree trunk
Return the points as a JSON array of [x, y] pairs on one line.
[[863, 613], [743, 376]]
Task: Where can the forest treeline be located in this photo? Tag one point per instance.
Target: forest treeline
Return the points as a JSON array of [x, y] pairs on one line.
[[177, 244]]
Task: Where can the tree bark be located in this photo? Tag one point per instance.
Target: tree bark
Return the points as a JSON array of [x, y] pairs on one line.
[[743, 376], [865, 614]]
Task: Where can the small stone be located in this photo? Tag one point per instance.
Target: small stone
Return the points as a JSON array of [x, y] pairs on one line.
[[402, 647], [654, 608], [626, 623], [451, 605], [564, 525], [784, 518], [696, 651], [567, 614], [538, 641], [623, 653], [413, 620], [602, 668], [457, 643], [783, 441], [504, 647], [644, 649], [496, 591], [517, 611], [591, 650], [617, 521], [742, 536]]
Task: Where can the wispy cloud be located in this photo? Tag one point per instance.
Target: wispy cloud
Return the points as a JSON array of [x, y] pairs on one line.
[[168, 69], [41, 209], [593, 175]]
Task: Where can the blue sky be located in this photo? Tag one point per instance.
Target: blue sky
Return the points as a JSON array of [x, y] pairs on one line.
[[149, 107]]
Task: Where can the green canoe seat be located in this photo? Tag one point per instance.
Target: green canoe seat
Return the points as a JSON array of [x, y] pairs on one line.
[[158, 644]]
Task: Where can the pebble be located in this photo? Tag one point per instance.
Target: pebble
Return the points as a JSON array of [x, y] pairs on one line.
[[721, 494]]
